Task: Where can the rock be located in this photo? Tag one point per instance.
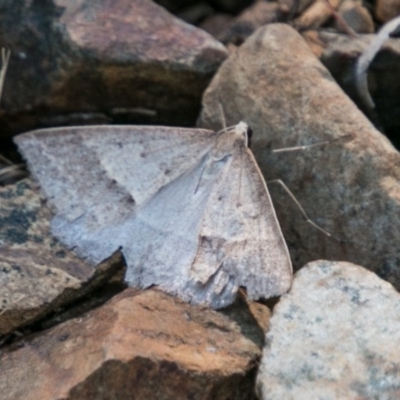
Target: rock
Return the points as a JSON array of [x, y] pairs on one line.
[[196, 13], [259, 14], [335, 335], [294, 7], [37, 274], [317, 14], [339, 54], [117, 60], [350, 187], [231, 6], [141, 345], [177, 6], [216, 24], [356, 16], [10, 172], [385, 10]]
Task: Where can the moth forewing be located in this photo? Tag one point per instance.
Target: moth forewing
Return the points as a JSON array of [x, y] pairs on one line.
[[169, 198], [240, 242], [278, 265]]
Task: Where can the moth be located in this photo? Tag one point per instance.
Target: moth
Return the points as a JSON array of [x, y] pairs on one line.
[[188, 207]]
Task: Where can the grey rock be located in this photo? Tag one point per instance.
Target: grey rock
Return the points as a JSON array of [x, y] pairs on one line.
[[356, 16], [350, 187], [339, 54], [335, 335]]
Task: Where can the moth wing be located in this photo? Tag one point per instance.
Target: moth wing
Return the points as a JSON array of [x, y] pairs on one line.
[[96, 177], [240, 241], [168, 227], [77, 166]]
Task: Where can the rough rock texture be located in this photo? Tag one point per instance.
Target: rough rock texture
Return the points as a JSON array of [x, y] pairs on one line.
[[37, 274], [294, 6], [356, 16], [335, 336], [350, 187], [217, 24], [259, 14], [386, 10], [317, 14], [79, 62], [339, 54], [140, 345]]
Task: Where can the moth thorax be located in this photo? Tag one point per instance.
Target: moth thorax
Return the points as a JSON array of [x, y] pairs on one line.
[[243, 131]]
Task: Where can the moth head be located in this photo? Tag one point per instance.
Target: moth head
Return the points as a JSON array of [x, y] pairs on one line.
[[244, 131]]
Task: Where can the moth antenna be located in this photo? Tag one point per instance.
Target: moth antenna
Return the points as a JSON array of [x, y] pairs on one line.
[[304, 147]]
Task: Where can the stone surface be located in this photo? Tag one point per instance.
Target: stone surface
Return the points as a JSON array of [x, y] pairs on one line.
[[217, 24], [294, 7], [139, 345], [10, 172], [339, 54], [38, 274], [356, 16], [385, 10], [317, 14], [108, 61], [350, 187], [259, 14], [335, 335]]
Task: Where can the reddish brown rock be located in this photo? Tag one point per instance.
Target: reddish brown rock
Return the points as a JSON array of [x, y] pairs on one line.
[[141, 345], [38, 274], [217, 24], [110, 61], [350, 187], [385, 10]]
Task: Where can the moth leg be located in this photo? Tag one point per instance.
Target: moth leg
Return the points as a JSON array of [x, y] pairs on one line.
[[306, 217]]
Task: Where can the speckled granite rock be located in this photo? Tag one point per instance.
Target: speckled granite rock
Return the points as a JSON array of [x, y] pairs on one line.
[[38, 274], [335, 335], [83, 62], [350, 187], [140, 345]]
